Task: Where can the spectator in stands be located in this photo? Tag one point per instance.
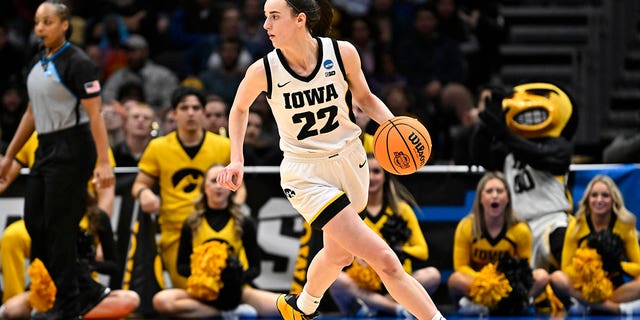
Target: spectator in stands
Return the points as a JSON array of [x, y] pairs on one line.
[[386, 73], [399, 100], [158, 81], [430, 61], [216, 115], [131, 91], [223, 78], [167, 122], [365, 38], [493, 235], [217, 229], [177, 162], [113, 114], [12, 107], [624, 148], [109, 33], [392, 19], [191, 22], [12, 61], [602, 237], [457, 99], [485, 22], [451, 24], [259, 151], [137, 134], [96, 250], [358, 290], [251, 31], [207, 55]]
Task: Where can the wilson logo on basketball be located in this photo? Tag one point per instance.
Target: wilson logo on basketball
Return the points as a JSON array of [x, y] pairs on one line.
[[417, 143], [401, 160]]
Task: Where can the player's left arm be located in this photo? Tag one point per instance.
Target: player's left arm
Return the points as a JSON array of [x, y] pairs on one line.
[[362, 95]]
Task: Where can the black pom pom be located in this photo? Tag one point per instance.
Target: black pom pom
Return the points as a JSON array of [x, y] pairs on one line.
[[520, 277], [610, 247], [231, 293], [395, 231]]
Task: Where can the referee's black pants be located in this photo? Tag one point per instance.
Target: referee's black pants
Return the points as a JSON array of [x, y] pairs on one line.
[[55, 203]]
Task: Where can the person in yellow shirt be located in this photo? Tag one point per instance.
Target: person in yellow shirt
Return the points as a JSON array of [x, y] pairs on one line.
[[176, 162], [389, 213], [490, 231], [602, 222]]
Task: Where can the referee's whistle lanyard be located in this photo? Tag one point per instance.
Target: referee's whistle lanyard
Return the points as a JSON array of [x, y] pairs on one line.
[[44, 61]]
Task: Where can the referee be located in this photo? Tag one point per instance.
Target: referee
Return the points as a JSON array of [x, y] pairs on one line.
[[64, 109]]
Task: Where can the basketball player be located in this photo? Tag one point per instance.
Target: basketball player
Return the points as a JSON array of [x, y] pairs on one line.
[[309, 81]]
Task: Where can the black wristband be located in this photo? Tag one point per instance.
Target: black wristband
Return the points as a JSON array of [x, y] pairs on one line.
[[140, 192]]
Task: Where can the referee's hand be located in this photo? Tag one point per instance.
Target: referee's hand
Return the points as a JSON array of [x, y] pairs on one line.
[[103, 176]]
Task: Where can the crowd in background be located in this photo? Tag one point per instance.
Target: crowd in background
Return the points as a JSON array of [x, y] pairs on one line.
[[423, 58]]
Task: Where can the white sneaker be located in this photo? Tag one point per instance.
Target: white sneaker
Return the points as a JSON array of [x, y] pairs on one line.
[[241, 311], [577, 308], [403, 313], [630, 308], [470, 308], [364, 311]]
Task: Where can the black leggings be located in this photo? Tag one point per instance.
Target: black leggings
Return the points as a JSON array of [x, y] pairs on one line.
[[55, 202]]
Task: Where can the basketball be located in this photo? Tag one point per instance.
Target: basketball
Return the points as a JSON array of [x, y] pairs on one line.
[[402, 145]]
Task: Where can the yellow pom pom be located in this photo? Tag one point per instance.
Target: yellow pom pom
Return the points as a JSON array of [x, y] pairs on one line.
[[42, 293], [207, 262], [588, 277], [364, 276], [489, 286]]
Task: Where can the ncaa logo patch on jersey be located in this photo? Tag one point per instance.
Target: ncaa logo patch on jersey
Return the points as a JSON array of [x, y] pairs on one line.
[[328, 64]]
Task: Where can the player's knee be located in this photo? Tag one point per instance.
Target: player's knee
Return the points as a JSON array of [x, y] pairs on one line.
[[132, 300], [343, 260], [163, 302], [386, 262]]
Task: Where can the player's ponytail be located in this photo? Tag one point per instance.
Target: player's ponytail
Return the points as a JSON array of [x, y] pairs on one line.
[[323, 27], [319, 15]]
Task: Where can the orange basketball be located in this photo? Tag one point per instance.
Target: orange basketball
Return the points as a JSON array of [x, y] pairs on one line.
[[402, 145]]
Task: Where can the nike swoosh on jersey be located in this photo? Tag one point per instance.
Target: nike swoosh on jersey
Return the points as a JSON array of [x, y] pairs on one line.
[[362, 164], [283, 84]]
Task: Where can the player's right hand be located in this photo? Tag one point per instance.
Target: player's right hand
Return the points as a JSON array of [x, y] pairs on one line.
[[230, 177]]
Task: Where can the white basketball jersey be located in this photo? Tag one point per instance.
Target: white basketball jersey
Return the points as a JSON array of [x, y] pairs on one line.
[[313, 113]]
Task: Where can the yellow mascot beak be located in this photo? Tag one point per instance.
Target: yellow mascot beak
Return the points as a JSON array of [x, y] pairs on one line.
[[537, 110]]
